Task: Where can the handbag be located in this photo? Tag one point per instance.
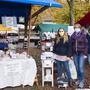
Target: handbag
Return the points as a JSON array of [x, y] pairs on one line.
[[72, 69]]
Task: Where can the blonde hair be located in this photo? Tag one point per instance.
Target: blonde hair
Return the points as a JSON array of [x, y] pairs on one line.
[[58, 37]]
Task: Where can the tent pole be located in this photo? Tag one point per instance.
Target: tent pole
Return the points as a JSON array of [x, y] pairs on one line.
[[25, 33], [29, 31], [39, 11], [29, 23]]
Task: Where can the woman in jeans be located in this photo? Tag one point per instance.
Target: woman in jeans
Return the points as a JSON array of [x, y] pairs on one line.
[[62, 51], [79, 43]]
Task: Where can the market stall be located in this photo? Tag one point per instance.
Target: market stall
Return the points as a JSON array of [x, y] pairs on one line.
[[24, 9], [16, 69], [48, 33]]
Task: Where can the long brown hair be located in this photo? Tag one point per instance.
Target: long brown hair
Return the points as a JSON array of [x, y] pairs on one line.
[[58, 37]]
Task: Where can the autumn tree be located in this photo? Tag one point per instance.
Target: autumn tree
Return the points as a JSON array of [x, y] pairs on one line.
[[72, 11]]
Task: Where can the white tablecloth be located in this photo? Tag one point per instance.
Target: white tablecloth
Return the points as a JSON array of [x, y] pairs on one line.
[[15, 72]]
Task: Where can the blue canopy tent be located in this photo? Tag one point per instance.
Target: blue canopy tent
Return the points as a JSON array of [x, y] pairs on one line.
[[23, 8], [17, 10], [50, 3]]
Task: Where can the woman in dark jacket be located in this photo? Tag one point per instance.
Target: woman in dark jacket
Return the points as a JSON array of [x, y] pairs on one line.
[[62, 50], [79, 43]]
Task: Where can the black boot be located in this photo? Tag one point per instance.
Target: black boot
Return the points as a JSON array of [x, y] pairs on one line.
[[71, 83]]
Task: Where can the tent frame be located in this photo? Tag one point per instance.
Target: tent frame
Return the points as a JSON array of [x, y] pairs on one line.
[[29, 22]]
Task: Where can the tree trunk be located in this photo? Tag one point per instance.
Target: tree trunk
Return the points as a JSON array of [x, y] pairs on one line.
[[71, 8]]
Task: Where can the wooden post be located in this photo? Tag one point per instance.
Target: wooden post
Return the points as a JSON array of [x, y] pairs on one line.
[[29, 22], [29, 32]]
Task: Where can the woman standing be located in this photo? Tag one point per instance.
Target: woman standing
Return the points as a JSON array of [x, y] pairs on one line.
[[62, 50], [79, 43]]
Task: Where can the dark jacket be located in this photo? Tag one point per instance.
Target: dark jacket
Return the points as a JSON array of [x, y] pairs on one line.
[[79, 42], [64, 49], [88, 38]]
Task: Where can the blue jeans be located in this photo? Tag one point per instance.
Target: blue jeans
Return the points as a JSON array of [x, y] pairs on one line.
[[59, 68], [79, 63]]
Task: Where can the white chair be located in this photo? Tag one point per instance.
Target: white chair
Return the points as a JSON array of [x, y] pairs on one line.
[[47, 71]]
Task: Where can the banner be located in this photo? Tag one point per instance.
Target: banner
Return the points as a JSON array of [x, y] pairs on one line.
[[9, 21]]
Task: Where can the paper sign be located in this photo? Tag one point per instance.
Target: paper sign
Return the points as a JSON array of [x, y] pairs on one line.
[[21, 19], [9, 21], [70, 30]]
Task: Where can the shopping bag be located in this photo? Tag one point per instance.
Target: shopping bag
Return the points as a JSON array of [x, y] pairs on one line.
[[72, 69]]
